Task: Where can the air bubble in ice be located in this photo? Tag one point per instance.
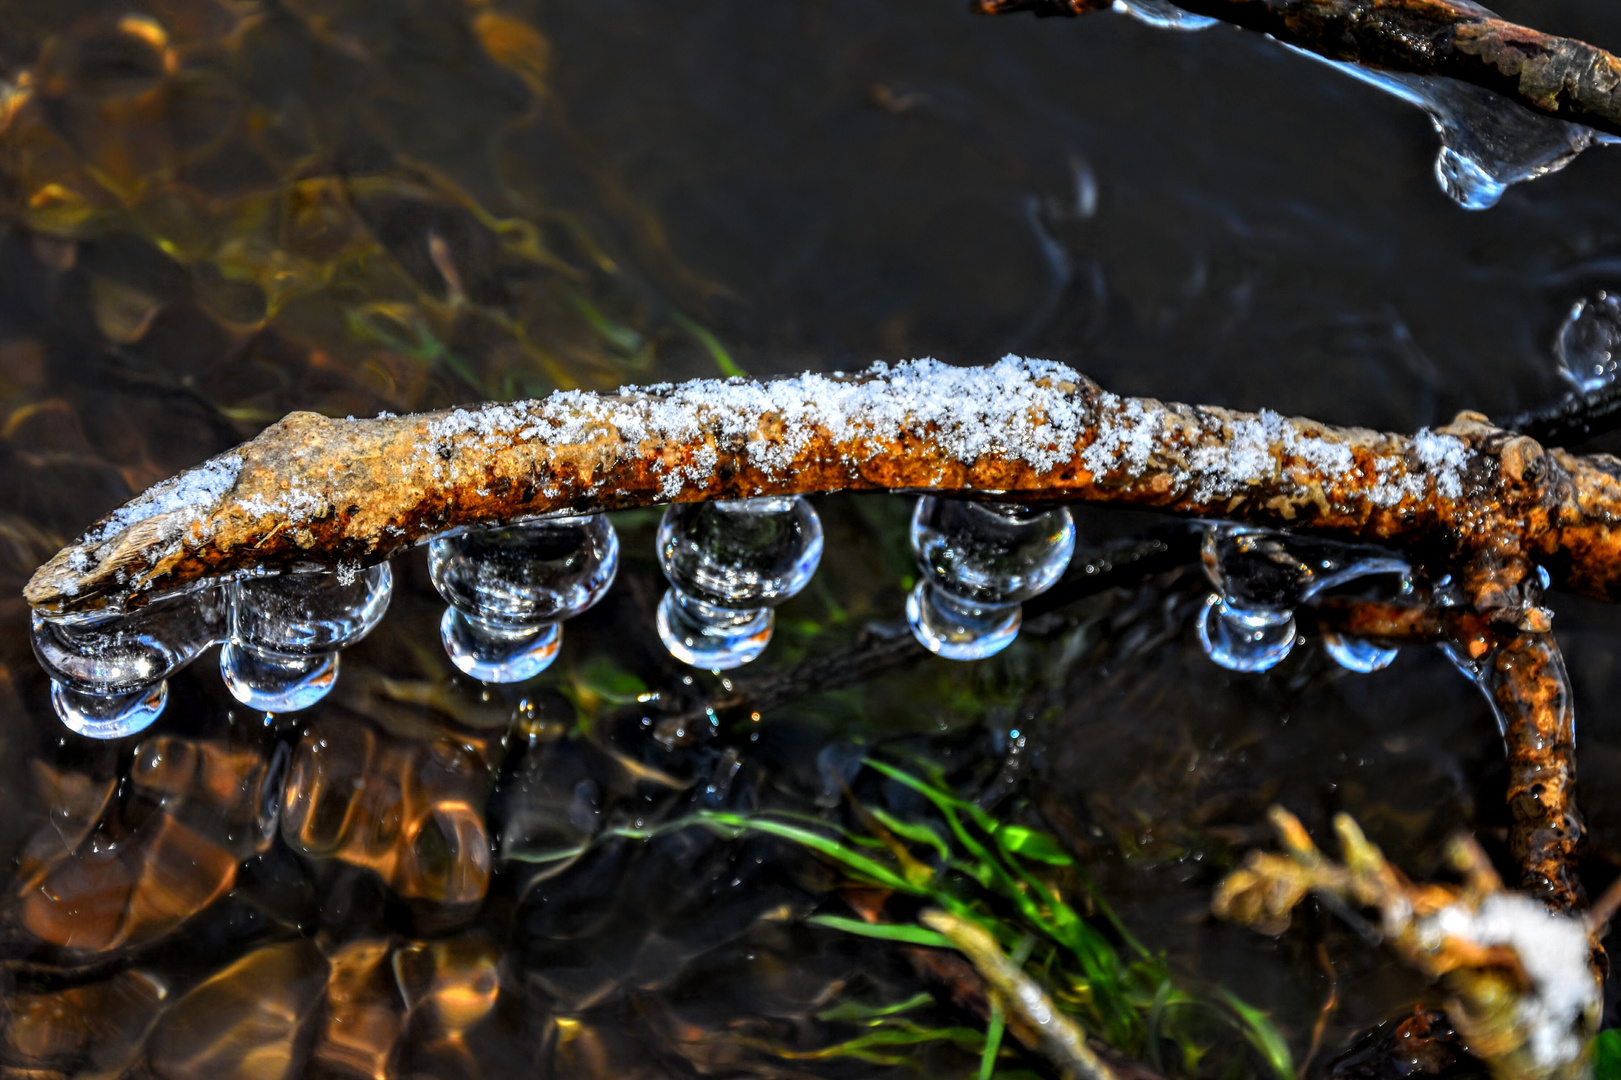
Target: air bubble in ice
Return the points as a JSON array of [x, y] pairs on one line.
[[979, 561], [1588, 342], [729, 564]]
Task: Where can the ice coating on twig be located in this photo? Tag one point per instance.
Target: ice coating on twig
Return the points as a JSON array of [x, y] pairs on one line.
[[312, 491]]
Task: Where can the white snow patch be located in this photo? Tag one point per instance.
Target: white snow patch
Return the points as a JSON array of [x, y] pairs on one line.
[[967, 412], [1127, 434], [1443, 456], [1553, 952], [194, 490], [295, 504]]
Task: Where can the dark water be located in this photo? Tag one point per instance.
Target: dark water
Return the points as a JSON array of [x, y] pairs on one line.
[[214, 213]]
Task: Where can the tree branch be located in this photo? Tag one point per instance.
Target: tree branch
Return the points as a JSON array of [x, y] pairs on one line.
[[1558, 76], [309, 491], [1523, 677]]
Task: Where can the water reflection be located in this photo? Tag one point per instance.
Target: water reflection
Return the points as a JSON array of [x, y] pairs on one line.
[[408, 811]]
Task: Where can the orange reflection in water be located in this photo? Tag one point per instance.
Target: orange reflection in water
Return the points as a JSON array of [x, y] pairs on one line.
[[94, 1029], [104, 874], [410, 811], [364, 1014], [244, 1021]]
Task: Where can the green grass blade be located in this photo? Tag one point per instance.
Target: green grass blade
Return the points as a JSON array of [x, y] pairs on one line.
[[869, 868], [912, 935], [717, 352], [1032, 844], [855, 1011], [993, 1043], [1261, 1033], [917, 832]]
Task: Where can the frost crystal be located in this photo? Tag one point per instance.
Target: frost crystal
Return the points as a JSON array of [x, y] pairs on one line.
[[194, 490], [1021, 409]]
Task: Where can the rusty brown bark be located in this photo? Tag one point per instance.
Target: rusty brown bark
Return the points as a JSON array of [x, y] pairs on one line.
[[1483, 503], [1524, 676], [1558, 76]]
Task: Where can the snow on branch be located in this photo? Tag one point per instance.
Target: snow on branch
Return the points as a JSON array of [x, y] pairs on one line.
[[1482, 503]]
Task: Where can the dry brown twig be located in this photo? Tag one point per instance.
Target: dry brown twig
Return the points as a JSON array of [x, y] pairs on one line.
[[1558, 76]]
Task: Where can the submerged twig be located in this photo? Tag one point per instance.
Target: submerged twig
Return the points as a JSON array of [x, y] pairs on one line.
[[1062, 1040], [312, 491], [1558, 76], [1522, 995]]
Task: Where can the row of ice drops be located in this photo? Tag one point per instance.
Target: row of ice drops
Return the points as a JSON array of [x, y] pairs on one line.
[[729, 564]]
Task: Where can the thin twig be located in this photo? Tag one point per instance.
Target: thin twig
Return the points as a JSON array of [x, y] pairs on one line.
[[1573, 421], [1062, 1040], [1524, 677], [1558, 76]]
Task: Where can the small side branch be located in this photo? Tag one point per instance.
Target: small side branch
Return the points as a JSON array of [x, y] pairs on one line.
[[1524, 676], [1558, 76]]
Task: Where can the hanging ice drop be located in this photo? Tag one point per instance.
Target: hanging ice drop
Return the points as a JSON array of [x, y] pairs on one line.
[[729, 564], [510, 588], [1262, 577], [286, 632], [979, 560], [1487, 141], [109, 673]]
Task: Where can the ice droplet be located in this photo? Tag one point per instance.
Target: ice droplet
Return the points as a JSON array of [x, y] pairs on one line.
[[109, 672], [1242, 639], [1357, 654], [1588, 341], [1262, 577], [1487, 141], [286, 632], [509, 589], [979, 560], [729, 564]]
